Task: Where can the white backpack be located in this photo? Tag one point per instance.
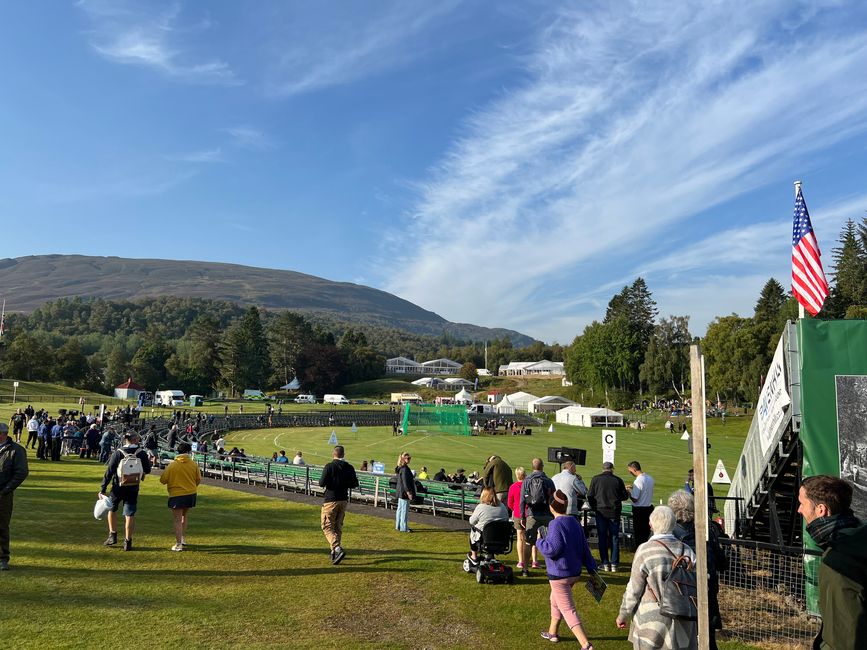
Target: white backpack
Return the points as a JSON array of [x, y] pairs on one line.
[[130, 470]]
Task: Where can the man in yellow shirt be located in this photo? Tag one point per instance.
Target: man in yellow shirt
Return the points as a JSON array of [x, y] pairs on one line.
[[182, 478]]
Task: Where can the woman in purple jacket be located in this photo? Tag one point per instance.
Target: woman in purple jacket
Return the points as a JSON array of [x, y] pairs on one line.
[[566, 552]]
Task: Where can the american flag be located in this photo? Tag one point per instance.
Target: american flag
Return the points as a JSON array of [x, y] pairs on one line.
[[808, 280]]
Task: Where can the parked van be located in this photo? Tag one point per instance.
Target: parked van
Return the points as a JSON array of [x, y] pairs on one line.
[[169, 398], [305, 399], [335, 399], [255, 394]]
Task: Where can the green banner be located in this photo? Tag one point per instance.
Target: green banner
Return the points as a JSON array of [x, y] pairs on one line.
[[833, 413]]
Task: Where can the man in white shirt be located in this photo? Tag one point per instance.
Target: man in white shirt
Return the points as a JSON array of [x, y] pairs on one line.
[[221, 443], [298, 460], [572, 485], [641, 495]]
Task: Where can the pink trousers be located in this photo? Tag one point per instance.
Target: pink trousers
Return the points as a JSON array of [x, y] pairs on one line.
[[562, 604]]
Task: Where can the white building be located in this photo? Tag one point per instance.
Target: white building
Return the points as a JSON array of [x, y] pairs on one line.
[[549, 403], [586, 416], [543, 368], [128, 390]]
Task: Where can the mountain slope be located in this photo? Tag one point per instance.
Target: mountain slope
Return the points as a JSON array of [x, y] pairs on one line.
[[28, 282]]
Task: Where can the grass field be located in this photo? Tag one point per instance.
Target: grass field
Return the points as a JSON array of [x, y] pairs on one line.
[[663, 455], [256, 575]]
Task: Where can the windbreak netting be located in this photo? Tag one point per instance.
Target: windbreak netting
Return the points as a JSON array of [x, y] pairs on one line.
[[429, 419]]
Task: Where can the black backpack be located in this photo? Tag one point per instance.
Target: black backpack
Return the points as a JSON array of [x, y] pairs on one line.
[[535, 496], [679, 595]]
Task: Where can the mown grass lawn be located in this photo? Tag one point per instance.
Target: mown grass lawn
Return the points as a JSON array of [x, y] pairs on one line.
[[663, 454], [256, 575]]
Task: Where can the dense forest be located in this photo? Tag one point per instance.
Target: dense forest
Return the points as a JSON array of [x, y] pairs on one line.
[[208, 346]]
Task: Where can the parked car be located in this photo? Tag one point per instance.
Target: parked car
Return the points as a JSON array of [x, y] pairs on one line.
[[305, 399]]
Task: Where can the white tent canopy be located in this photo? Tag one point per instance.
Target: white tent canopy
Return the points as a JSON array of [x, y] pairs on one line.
[[586, 416], [292, 385], [549, 403], [521, 400], [464, 396], [505, 407]]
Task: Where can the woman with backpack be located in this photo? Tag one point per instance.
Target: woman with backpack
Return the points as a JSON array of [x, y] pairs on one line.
[[653, 626], [566, 553]]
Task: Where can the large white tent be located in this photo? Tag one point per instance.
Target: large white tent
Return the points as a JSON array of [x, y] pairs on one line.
[[549, 403], [587, 416], [521, 400]]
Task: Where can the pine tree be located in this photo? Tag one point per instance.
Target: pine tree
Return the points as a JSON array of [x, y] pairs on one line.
[[771, 301], [850, 279]]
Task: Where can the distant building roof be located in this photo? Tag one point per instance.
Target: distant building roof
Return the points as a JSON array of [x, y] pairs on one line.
[[130, 384]]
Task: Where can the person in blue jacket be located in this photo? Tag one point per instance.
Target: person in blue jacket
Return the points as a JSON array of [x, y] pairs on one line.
[[566, 553]]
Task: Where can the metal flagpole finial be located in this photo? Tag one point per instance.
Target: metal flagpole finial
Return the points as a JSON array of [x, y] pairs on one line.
[[797, 186]]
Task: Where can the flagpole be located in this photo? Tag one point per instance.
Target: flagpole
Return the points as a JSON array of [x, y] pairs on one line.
[[800, 306]]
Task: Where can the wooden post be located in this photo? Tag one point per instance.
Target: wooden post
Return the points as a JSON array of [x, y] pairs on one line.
[[376, 493], [699, 466]]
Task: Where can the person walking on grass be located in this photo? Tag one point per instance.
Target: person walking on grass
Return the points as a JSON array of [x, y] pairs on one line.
[[126, 469], [566, 552], [182, 478], [338, 478], [405, 493], [536, 493], [13, 471]]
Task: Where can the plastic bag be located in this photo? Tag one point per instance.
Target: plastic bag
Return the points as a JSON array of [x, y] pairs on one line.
[[101, 507]]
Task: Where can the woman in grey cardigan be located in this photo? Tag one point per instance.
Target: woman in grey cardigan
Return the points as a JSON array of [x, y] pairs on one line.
[[652, 563]]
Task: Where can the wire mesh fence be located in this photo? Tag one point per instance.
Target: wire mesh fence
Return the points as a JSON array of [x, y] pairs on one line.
[[763, 596]]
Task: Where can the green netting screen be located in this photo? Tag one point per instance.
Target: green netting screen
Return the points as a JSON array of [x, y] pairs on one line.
[[433, 420]]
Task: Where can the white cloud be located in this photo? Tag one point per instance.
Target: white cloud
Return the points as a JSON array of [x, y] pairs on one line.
[[316, 54], [635, 122], [126, 34]]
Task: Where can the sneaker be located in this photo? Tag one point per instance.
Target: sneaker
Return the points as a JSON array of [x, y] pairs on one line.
[[127, 545], [613, 568], [4, 565], [339, 554], [520, 565], [535, 565], [553, 638], [176, 547], [111, 541], [525, 573]]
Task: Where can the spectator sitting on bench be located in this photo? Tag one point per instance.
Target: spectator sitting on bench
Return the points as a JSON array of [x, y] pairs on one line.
[[282, 459]]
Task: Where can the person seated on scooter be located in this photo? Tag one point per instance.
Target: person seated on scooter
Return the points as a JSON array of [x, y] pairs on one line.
[[489, 509]]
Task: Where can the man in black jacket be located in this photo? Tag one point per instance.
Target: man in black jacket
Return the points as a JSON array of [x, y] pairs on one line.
[[605, 495], [338, 478], [13, 470]]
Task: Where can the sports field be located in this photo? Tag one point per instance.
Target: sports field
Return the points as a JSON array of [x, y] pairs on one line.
[[661, 453], [256, 575]]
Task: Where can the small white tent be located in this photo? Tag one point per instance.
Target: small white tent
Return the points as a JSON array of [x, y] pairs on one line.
[[292, 385], [464, 397], [505, 407]]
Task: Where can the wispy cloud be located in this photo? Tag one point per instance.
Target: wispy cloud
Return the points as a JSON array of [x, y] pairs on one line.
[[635, 121], [247, 137], [128, 34], [112, 185], [203, 156], [347, 47]]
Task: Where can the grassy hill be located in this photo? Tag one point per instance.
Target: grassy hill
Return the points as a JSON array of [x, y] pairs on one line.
[[28, 282]]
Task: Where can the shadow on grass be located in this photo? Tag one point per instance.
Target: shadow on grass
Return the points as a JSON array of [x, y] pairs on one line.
[[67, 573]]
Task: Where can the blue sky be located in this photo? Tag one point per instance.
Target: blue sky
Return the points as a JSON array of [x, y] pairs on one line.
[[506, 164]]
